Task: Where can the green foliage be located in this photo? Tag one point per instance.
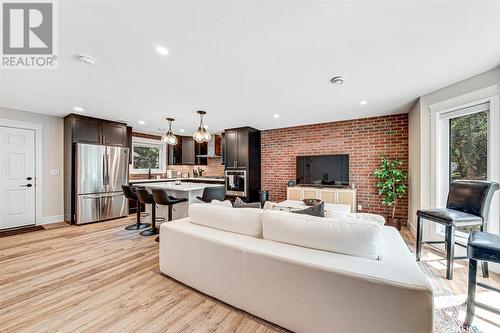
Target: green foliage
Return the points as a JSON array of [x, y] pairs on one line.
[[469, 146], [146, 157], [391, 184]]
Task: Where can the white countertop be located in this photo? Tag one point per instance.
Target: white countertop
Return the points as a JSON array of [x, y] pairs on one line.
[[183, 187], [158, 180]]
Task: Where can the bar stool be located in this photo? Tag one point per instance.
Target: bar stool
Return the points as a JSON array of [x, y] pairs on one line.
[[161, 197], [481, 246], [147, 198], [130, 194], [468, 204], [212, 193]]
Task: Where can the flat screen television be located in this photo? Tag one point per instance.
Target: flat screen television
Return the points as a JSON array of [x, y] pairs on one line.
[[323, 170]]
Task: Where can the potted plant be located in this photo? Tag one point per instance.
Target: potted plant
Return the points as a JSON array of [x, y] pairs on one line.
[[391, 185]]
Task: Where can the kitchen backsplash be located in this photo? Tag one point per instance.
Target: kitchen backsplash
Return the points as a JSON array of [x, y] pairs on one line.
[[214, 167]]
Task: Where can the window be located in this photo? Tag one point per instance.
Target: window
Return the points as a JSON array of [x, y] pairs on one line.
[[466, 148], [148, 154], [469, 147]]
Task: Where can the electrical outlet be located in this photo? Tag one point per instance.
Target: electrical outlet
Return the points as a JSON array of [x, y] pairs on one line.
[[360, 207]]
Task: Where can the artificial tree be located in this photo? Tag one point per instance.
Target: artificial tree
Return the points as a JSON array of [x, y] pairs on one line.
[[391, 184]]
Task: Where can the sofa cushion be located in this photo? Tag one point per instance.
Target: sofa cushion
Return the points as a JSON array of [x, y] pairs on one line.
[[357, 216], [356, 237], [244, 221]]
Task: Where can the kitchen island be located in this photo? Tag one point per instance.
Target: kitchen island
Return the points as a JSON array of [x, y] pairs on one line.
[[183, 190]]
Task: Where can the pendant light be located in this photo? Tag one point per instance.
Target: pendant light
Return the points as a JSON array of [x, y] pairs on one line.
[[169, 137], [201, 135]]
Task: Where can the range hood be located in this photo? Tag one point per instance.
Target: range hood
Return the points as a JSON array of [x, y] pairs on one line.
[[211, 149]]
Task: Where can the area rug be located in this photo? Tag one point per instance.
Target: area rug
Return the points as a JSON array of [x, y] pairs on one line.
[[447, 305]]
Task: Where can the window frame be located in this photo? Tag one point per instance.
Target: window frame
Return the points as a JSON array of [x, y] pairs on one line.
[[439, 153], [152, 143]]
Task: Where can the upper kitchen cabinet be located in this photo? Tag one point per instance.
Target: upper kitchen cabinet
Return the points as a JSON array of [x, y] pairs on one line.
[[201, 152], [114, 134], [187, 152], [241, 145], [175, 153], [92, 130]]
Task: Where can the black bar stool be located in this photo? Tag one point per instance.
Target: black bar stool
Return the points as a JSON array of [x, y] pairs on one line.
[[130, 194], [161, 197], [147, 198], [482, 246], [468, 204], [212, 193]]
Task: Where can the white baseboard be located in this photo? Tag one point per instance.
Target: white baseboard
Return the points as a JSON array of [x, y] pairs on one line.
[[51, 219]]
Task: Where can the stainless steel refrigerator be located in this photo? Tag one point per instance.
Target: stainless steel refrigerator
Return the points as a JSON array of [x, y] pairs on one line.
[[100, 171]]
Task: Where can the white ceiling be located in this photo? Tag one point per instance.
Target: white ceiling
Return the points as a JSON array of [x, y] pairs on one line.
[[243, 62]]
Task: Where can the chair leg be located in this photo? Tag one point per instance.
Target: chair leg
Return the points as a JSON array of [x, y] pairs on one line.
[[153, 217], [420, 228], [471, 293], [138, 225], [485, 270], [169, 213], [153, 230], [450, 251]]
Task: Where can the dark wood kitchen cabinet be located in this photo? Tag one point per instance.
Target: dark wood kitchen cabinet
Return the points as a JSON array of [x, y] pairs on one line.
[[239, 147], [97, 131], [201, 149], [241, 151], [175, 153], [186, 152]]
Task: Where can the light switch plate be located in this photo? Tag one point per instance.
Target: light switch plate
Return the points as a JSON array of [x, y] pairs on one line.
[[55, 172], [360, 207]]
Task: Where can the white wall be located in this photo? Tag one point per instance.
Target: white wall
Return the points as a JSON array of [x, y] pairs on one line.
[[479, 87], [52, 146]]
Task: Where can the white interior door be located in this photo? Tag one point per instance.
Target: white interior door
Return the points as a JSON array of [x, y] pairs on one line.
[[17, 177]]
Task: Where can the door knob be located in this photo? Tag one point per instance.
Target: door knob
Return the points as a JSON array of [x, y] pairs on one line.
[[29, 178]]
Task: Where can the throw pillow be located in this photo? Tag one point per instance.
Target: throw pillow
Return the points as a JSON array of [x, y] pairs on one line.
[[238, 203], [317, 210]]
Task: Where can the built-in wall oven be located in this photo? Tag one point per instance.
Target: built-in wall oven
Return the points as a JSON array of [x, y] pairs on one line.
[[236, 183]]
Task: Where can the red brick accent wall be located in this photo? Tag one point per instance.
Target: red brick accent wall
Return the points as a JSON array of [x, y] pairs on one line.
[[365, 140]]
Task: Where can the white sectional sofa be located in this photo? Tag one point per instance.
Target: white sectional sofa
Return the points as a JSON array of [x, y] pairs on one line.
[[307, 287]]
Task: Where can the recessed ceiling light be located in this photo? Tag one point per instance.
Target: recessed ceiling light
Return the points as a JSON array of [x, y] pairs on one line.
[[363, 103], [161, 50], [338, 80], [141, 122], [86, 59], [206, 126], [78, 109], [276, 116], [181, 130]]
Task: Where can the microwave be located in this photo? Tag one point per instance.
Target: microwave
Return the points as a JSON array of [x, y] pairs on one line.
[[236, 183]]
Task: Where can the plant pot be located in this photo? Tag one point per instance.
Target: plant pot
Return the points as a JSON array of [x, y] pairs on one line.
[[394, 222]]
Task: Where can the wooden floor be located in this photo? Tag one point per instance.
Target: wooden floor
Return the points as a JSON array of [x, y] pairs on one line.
[[102, 278]]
